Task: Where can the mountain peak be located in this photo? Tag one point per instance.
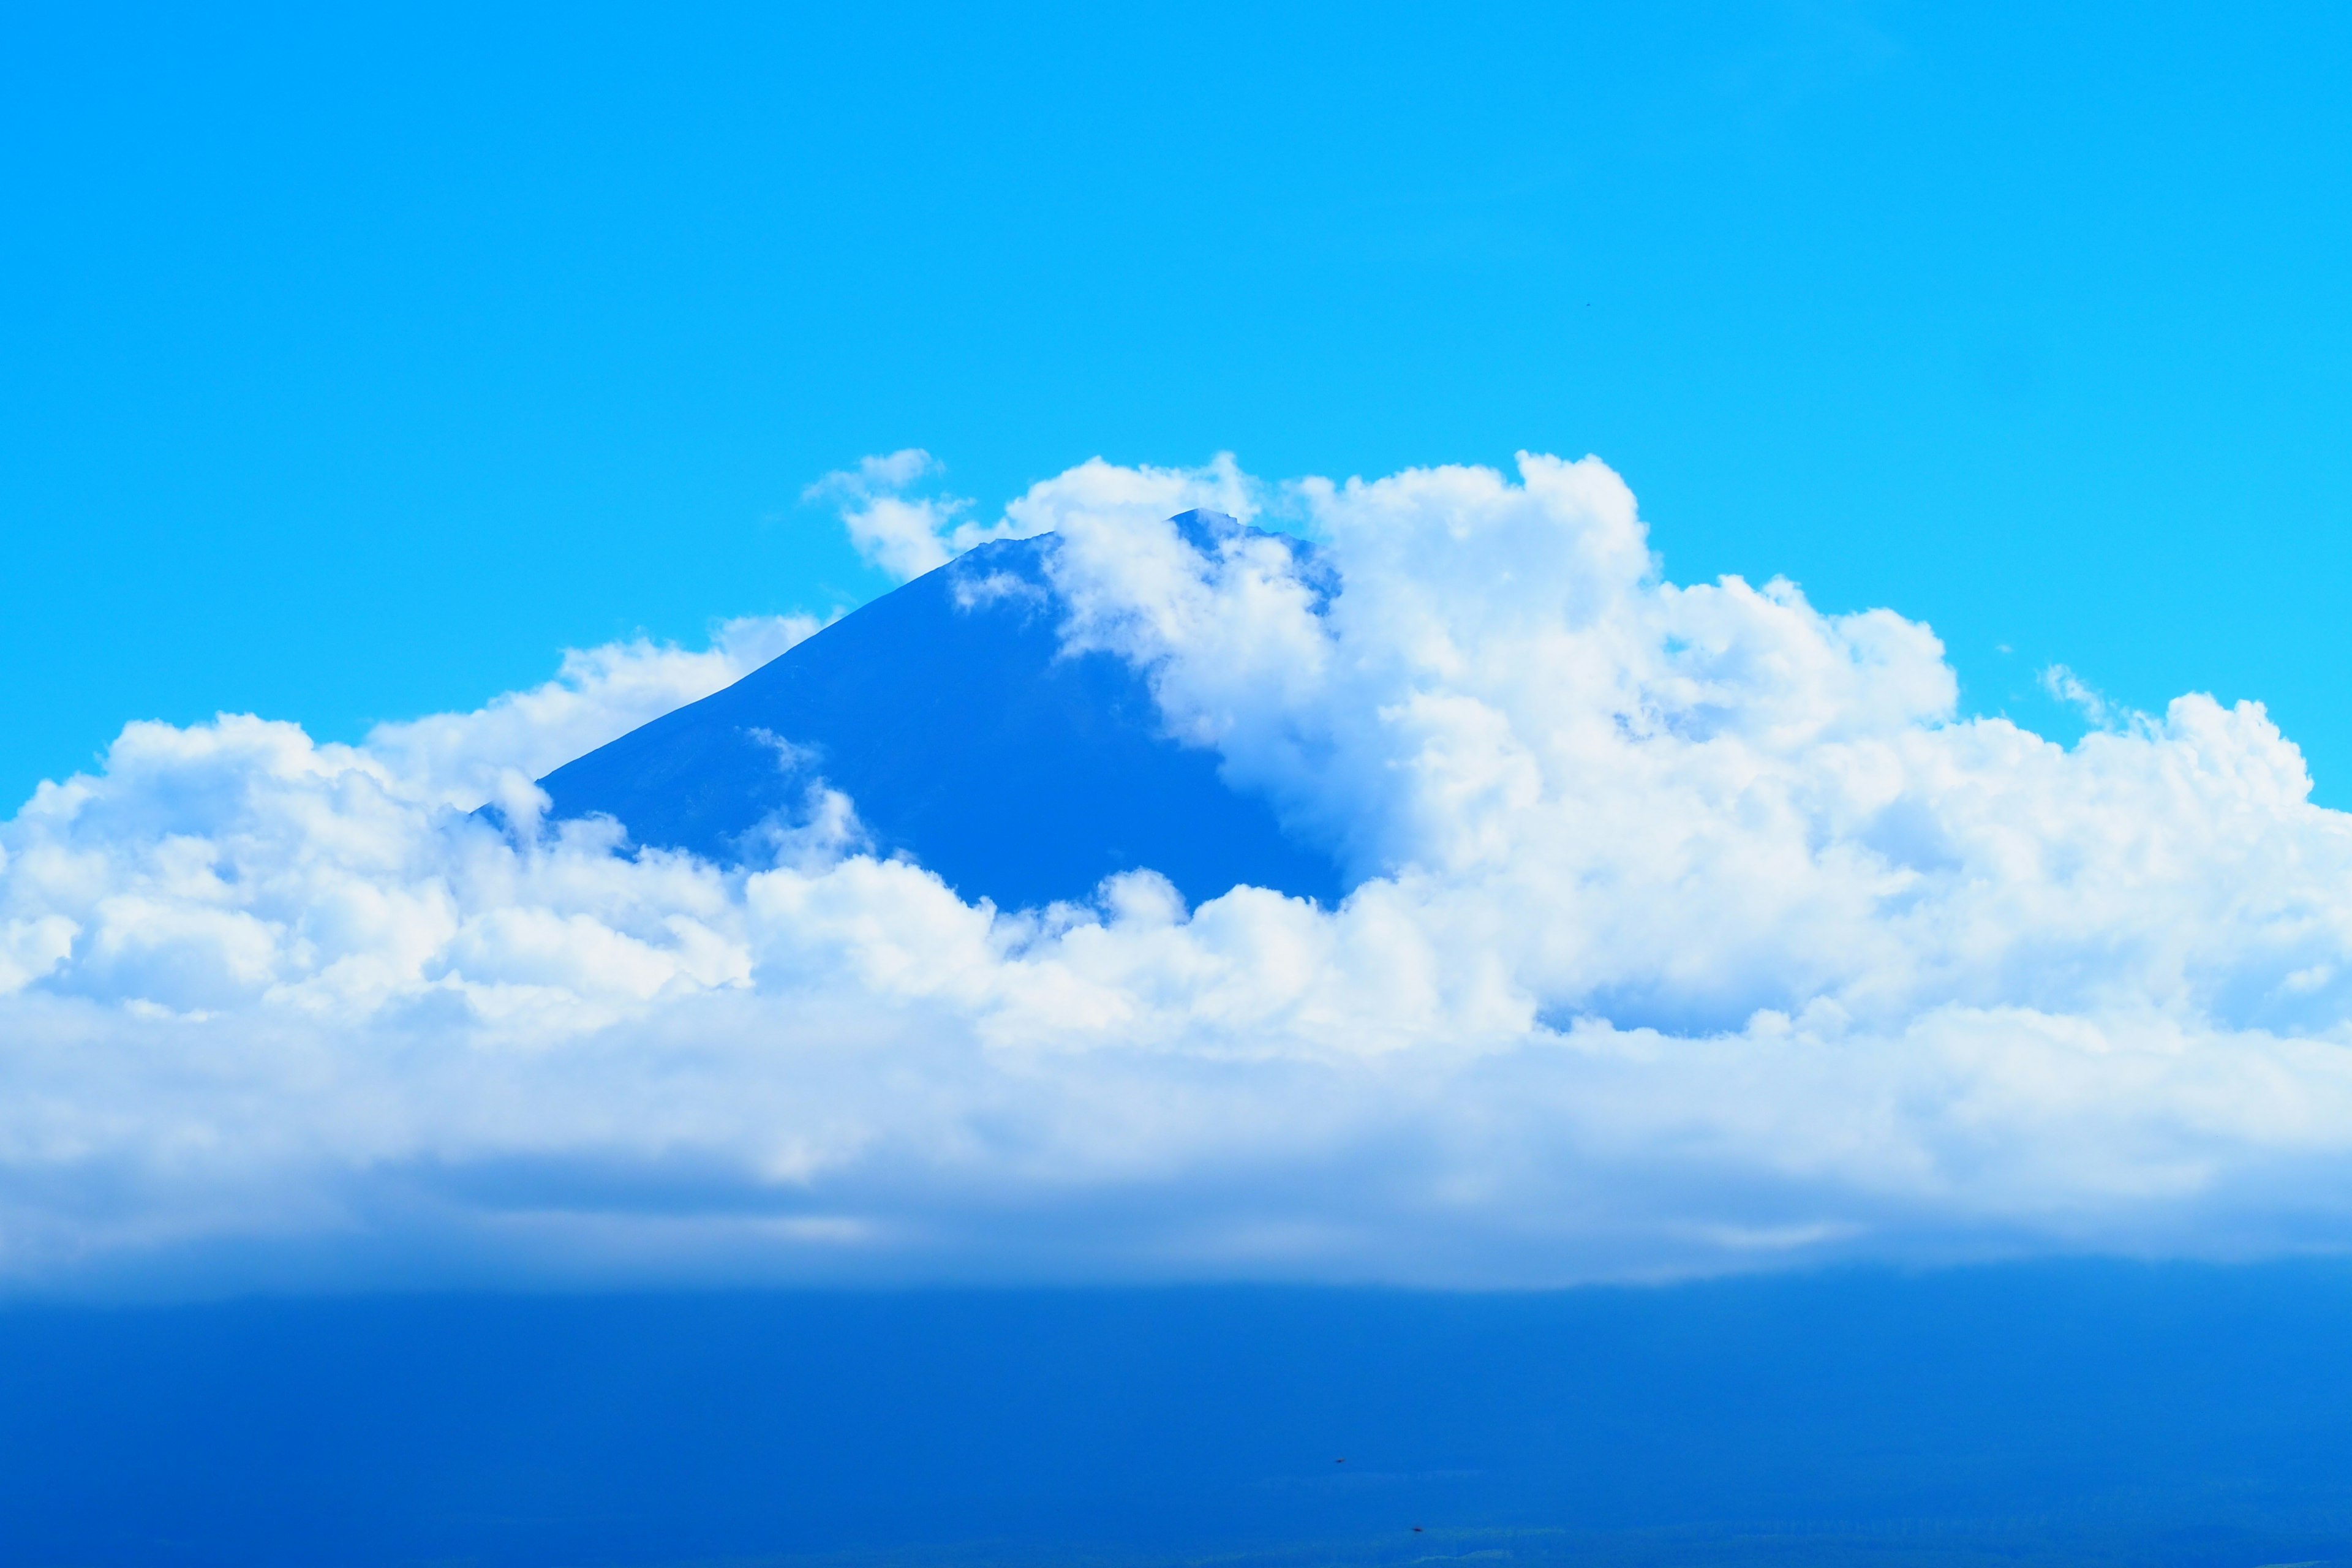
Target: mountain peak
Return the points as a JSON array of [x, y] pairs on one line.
[[968, 741]]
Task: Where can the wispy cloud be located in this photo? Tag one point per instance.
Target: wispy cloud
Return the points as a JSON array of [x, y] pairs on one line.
[[907, 533], [2097, 709]]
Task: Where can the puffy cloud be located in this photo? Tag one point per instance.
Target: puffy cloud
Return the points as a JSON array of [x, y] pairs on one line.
[[1692, 930], [908, 534], [599, 695], [904, 536]]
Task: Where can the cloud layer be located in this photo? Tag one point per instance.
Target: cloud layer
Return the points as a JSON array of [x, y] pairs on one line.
[[1692, 931]]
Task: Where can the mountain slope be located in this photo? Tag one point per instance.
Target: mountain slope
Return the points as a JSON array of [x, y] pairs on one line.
[[947, 713]]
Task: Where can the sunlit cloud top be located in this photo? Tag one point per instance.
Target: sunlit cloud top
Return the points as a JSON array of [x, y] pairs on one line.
[[1690, 929]]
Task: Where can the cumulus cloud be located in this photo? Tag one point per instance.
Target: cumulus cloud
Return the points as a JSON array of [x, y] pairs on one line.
[[1691, 929], [598, 695], [907, 533], [905, 536]]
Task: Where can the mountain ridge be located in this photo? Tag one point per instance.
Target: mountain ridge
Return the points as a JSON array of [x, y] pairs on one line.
[[966, 738]]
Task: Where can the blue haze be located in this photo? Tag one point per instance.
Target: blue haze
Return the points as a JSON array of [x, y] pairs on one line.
[[2043, 1414], [357, 360]]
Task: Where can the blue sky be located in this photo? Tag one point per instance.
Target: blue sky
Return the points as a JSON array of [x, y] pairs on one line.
[[359, 361], [470, 386]]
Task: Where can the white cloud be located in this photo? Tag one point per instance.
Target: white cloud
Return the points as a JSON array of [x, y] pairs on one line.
[[598, 695], [907, 535], [2098, 710], [1696, 932]]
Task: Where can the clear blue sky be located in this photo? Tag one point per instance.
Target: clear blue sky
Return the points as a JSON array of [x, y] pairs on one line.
[[356, 361]]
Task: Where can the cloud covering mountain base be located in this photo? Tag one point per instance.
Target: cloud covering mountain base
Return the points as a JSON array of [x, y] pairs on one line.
[[1689, 930]]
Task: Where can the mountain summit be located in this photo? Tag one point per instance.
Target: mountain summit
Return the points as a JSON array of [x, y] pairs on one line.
[[966, 738]]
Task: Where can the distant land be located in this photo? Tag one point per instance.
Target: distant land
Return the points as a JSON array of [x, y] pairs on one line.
[[2030, 1414]]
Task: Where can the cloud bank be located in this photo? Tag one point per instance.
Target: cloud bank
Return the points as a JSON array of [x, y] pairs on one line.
[[1691, 930]]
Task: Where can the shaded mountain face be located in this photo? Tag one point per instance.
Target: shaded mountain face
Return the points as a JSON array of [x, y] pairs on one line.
[[947, 713]]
